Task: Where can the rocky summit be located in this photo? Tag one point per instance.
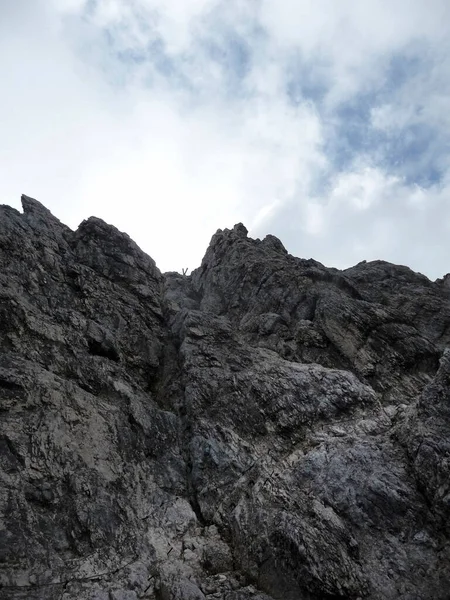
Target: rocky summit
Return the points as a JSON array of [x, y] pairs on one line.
[[264, 429]]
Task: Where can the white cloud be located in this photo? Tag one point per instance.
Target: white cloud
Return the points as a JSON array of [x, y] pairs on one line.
[[355, 39], [361, 190], [369, 215], [171, 119]]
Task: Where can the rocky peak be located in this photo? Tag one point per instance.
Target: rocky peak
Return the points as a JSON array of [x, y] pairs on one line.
[[240, 230], [274, 243], [33, 207], [265, 428], [114, 254], [40, 219]]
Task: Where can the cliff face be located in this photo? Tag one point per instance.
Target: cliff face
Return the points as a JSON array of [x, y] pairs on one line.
[[266, 428]]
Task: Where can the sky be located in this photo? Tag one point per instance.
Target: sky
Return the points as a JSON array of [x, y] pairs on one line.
[[323, 122]]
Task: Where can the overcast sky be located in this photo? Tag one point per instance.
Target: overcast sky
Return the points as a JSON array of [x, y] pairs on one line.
[[323, 122]]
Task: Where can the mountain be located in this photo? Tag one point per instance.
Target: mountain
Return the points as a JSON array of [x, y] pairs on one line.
[[265, 428]]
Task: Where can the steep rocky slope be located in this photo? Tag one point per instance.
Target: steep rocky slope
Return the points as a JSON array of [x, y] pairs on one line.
[[266, 428]]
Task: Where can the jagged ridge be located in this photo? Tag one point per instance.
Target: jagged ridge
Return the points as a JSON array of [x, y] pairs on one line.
[[264, 428]]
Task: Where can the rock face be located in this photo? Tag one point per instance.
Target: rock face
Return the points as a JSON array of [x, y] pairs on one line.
[[266, 428]]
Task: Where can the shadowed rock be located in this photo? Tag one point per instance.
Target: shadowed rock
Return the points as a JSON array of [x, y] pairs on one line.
[[264, 428]]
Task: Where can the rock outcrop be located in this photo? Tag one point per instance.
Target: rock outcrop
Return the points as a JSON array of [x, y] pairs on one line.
[[265, 428]]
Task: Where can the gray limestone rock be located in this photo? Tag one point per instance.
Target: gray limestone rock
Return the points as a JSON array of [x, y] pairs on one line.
[[264, 428]]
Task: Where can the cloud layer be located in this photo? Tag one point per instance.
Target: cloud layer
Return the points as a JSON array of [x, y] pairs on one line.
[[324, 123]]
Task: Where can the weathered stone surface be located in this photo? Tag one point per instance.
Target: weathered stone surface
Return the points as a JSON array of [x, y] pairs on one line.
[[265, 428]]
